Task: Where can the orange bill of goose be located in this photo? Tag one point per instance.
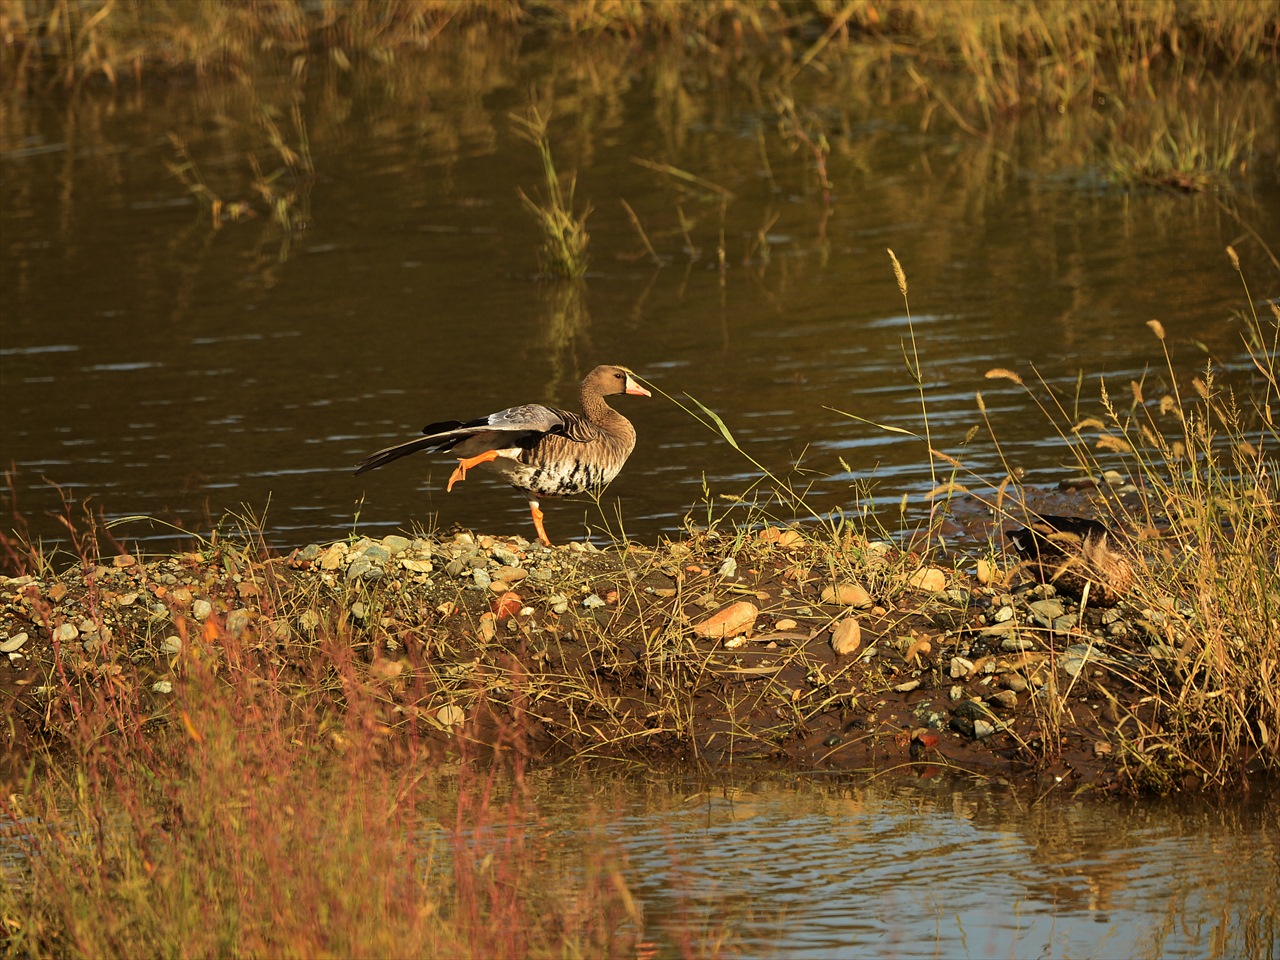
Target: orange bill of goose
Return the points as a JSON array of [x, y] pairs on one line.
[[541, 451]]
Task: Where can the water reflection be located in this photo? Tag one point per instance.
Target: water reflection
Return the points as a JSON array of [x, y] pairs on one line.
[[894, 868]]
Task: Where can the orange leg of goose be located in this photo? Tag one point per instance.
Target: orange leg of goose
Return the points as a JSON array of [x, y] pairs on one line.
[[537, 522], [460, 472]]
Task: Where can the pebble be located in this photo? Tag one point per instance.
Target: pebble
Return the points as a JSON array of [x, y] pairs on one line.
[[1005, 699], [171, 645], [505, 557], [1076, 656], [957, 692], [983, 729], [971, 710], [559, 603], [309, 622], [1003, 614], [395, 544], [13, 643], [456, 568], [908, 686], [66, 633], [481, 578], [847, 595], [510, 574], [376, 553], [1065, 623], [1014, 682], [960, 668], [1044, 611], [846, 637], [736, 618], [786, 539], [928, 580], [592, 600], [450, 716], [1017, 644], [237, 622], [201, 609], [986, 571], [729, 568], [332, 558], [416, 566], [162, 686], [785, 624], [364, 569]]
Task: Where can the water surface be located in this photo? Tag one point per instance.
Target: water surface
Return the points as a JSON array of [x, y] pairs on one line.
[[940, 868], [153, 365]]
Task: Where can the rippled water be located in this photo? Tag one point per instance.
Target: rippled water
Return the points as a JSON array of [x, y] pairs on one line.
[[152, 365], [894, 867], [949, 869]]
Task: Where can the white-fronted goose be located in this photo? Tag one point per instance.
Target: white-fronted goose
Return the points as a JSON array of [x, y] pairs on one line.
[[1072, 552], [541, 451]]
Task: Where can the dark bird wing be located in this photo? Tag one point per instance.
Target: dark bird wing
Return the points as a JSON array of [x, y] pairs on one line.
[[1054, 537], [519, 426]]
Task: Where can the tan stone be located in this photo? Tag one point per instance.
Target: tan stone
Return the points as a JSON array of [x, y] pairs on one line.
[[787, 539], [986, 571], [846, 637], [928, 579], [847, 595], [733, 620]]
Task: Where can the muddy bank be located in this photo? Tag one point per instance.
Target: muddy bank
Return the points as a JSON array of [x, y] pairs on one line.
[[712, 650]]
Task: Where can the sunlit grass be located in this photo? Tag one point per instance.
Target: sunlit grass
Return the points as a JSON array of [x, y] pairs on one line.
[[564, 229], [1207, 587]]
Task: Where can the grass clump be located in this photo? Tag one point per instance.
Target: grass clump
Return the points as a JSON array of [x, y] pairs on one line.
[[564, 231], [1204, 555]]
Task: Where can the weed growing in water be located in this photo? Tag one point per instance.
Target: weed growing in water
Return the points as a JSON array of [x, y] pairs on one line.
[[564, 232]]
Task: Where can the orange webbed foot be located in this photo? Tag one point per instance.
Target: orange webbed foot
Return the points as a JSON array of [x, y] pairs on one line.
[[465, 464]]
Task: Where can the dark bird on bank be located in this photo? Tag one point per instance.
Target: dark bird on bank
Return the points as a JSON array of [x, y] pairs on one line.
[[1070, 552], [541, 451]]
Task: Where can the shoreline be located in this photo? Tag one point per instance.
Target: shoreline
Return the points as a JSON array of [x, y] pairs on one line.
[[712, 651]]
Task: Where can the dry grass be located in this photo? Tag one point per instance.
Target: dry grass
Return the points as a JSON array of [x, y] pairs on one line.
[[1208, 590], [275, 804]]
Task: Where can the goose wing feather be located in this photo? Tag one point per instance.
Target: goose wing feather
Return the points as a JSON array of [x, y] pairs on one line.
[[514, 427]]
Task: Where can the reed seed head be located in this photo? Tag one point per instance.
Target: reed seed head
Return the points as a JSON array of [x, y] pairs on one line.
[[897, 272]]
